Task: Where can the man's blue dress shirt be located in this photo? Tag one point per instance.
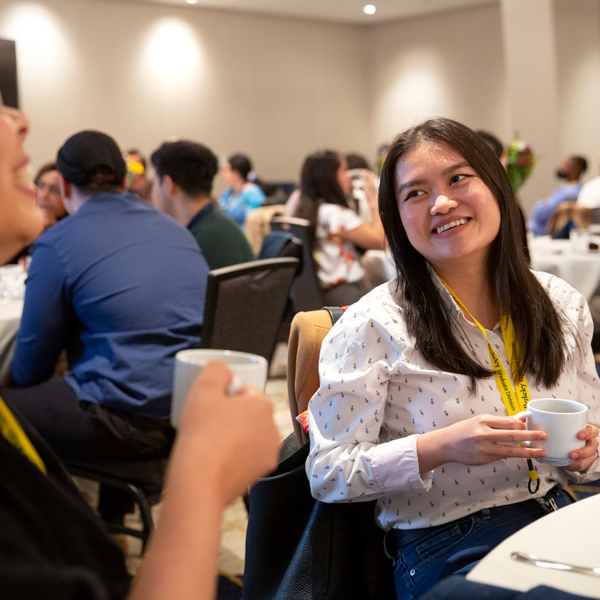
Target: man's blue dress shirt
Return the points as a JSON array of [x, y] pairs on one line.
[[543, 210], [121, 286]]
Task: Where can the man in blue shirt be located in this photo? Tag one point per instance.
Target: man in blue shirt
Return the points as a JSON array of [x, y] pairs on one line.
[[571, 169], [121, 287]]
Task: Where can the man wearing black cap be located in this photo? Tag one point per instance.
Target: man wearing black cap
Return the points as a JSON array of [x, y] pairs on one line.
[[121, 287]]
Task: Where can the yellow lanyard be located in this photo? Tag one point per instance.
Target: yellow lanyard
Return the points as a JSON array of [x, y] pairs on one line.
[[13, 432], [514, 402]]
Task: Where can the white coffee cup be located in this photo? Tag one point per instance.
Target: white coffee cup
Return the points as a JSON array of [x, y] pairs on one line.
[[249, 369], [562, 420]]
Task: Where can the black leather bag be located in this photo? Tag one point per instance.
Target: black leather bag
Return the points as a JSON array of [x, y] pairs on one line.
[[298, 548]]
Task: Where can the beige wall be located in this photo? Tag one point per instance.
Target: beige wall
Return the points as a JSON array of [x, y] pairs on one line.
[[275, 88], [280, 88], [449, 64], [578, 43]]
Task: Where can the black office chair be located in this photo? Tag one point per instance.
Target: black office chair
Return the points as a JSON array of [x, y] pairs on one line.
[[142, 481], [245, 305], [281, 244], [308, 294]]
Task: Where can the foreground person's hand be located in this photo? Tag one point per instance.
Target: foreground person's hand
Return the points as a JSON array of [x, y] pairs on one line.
[[477, 441], [223, 445], [585, 457], [234, 437]]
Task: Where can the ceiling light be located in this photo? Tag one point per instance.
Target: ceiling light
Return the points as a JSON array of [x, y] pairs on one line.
[[369, 9], [192, 1]]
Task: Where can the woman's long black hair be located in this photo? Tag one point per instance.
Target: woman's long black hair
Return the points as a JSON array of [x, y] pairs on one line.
[[318, 183], [540, 330]]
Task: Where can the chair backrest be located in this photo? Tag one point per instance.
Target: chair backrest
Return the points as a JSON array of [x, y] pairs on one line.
[[281, 244], [306, 336], [245, 305], [308, 294]]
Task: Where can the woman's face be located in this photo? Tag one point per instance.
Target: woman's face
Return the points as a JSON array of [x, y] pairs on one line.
[[342, 176], [21, 219], [49, 198], [448, 212], [230, 176]]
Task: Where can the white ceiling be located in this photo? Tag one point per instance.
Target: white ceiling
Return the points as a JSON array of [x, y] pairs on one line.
[[346, 11]]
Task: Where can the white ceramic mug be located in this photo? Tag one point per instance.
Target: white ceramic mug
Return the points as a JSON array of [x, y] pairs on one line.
[[562, 420], [247, 368]]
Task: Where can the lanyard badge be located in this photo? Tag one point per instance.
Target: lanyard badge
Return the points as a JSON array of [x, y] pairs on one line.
[[514, 401]]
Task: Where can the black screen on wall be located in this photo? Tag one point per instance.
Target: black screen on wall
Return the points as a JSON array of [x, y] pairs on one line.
[[8, 73]]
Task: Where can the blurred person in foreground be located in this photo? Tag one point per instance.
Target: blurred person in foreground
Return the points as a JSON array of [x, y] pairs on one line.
[[182, 188], [52, 545], [571, 169], [121, 287]]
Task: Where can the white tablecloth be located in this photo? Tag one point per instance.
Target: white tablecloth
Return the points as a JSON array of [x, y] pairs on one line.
[[10, 321], [570, 535], [580, 269]]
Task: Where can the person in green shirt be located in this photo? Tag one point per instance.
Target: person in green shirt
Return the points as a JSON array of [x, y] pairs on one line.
[[182, 188]]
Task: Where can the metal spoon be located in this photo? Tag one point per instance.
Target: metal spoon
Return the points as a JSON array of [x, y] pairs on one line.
[[548, 564]]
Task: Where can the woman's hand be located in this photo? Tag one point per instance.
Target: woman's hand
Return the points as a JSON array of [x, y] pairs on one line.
[[477, 441], [584, 458], [370, 189]]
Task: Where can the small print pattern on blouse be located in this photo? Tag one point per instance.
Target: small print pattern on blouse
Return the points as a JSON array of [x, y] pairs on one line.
[[337, 261], [377, 394]]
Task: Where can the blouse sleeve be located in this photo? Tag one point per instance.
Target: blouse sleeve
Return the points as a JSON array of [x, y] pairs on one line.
[[343, 220], [588, 384], [346, 415]]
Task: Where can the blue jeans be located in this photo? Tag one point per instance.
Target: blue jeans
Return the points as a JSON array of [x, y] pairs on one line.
[[422, 557]]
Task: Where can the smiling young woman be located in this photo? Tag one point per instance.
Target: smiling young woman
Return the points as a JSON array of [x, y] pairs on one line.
[[418, 378]]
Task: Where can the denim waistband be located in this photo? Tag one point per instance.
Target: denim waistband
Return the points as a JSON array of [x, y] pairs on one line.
[[397, 538]]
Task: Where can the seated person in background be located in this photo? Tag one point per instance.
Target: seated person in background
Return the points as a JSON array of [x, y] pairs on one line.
[[183, 182], [589, 196], [335, 229], [571, 169], [242, 195], [137, 178], [122, 288], [408, 408], [47, 183], [358, 167], [52, 545]]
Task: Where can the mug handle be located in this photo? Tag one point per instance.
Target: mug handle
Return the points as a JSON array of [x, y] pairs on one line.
[[523, 413]]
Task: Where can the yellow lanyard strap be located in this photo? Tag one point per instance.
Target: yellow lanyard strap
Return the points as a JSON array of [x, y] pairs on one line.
[[514, 402], [13, 432]]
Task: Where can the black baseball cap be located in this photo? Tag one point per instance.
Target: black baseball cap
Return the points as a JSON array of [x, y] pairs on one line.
[[87, 153]]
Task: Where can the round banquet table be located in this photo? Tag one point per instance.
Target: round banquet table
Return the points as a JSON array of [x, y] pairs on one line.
[[10, 321], [569, 535], [579, 269]]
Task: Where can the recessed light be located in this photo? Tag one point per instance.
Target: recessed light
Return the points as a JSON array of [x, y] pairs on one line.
[[369, 9], [192, 1]]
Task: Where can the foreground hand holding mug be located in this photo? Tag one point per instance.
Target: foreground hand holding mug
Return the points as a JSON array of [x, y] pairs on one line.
[[224, 443]]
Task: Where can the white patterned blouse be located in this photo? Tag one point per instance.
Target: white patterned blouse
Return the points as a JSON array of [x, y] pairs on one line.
[[377, 394]]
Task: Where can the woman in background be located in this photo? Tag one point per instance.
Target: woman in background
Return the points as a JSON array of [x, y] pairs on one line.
[[49, 199], [335, 229], [242, 195]]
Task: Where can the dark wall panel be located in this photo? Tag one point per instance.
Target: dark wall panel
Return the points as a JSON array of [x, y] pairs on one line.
[[8, 73]]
